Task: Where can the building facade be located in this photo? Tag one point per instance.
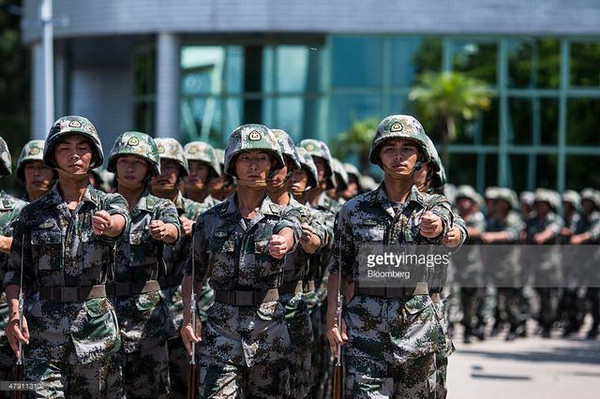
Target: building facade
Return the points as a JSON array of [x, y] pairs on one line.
[[196, 69]]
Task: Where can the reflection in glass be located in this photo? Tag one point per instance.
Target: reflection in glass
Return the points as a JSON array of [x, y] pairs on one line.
[[546, 168], [534, 63], [582, 121], [478, 59], [582, 172], [345, 109], [584, 62], [356, 61]]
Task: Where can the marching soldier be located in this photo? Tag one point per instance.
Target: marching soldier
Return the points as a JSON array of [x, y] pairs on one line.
[[141, 308], [222, 186], [31, 171], [67, 239], [204, 167], [391, 334], [173, 168], [240, 246], [10, 208], [354, 176]]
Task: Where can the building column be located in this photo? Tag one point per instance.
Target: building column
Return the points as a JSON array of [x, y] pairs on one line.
[[38, 129], [167, 85]]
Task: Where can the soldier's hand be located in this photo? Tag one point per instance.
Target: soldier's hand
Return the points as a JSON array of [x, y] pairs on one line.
[[278, 246], [188, 335], [452, 238], [431, 225], [333, 334], [309, 240], [15, 335], [187, 225], [158, 230], [100, 222]]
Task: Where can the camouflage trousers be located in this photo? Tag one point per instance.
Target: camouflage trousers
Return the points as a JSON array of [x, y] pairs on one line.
[[178, 365], [300, 329], [226, 380], [508, 307], [445, 348], [101, 378], [391, 348], [7, 364], [146, 371]]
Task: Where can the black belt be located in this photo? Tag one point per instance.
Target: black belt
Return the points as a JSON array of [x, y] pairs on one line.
[[293, 287], [391, 292], [72, 294], [246, 298], [128, 289]]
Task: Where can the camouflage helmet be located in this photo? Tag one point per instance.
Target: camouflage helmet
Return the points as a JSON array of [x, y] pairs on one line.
[[308, 164], [169, 148], [549, 196], [32, 151], [591, 195], [572, 197], [317, 148], [466, 191], [203, 152], [5, 159], [399, 127], [135, 143], [527, 198], [508, 195], [67, 126], [352, 170], [368, 183], [341, 176], [436, 161], [252, 137], [491, 193], [286, 145]]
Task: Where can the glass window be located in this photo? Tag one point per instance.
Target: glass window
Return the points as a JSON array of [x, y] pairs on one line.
[[201, 119], [144, 116], [519, 171], [521, 120], [546, 169], [582, 171], [549, 121], [491, 170], [202, 69], [345, 109], [584, 62], [489, 123], [292, 69], [534, 63], [357, 61], [428, 57], [402, 51], [144, 72], [582, 121], [462, 169], [477, 59]]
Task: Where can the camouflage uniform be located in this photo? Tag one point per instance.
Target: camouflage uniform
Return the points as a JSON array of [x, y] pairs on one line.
[[203, 152], [175, 258], [73, 331], [10, 208], [392, 341], [141, 308], [591, 223], [245, 344], [545, 265]]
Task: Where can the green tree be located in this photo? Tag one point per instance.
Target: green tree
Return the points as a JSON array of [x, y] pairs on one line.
[[442, 99], [356, 140]]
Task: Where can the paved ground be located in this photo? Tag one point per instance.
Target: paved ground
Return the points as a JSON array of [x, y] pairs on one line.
[[528, 368]]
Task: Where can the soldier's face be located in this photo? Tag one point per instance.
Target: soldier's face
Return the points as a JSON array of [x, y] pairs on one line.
[[321, 167], [542, 208], [198, 176], [253, 165], [131, 171], [421, 177], [169, 175], [464, 204], [73, 155], [588, 206], [298, 181], [37, 176], [279, 178], [399, 156]]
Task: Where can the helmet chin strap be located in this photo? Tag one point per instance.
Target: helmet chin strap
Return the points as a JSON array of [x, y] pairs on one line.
[[251, 183]]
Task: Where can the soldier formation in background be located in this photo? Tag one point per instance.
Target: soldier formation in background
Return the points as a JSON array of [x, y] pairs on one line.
[[248, 259]]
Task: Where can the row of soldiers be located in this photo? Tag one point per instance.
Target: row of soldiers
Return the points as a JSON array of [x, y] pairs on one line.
[[264, 269]]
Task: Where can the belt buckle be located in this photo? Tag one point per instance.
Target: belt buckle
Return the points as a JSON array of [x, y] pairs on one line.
[[244, 298]]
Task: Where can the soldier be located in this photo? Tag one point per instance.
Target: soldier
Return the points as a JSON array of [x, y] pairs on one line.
[[391, 334], [173, 168], [67, 239], [503, 228], [204, 167], [469, 271], [10, 208], [526, 200], [223, 186], [141, 308], [314, 237], [354, 187], [588, 233], [341, 181], [240, 245], [31, 170], [322, 158]]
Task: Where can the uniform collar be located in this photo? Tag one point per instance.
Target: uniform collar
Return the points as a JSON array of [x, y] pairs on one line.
[[379, 198], [54, 197]]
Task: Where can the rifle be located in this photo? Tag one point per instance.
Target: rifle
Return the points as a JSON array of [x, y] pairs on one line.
[[191, 394], [18, 394], [338, 369]]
